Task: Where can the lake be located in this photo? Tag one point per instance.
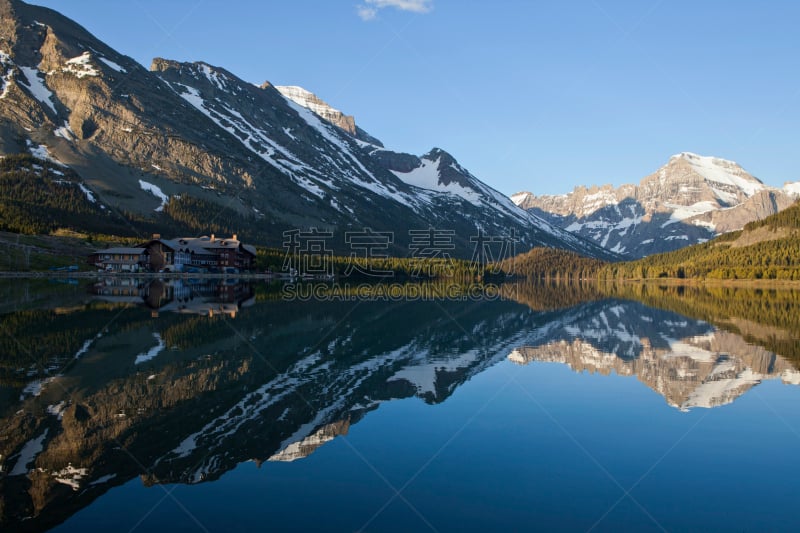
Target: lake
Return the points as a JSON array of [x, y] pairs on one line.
[[180, 405]]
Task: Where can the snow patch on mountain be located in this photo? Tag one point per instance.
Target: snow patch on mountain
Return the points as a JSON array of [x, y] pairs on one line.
[[6, 78], [81, 66], [427, 176], [156, 191], [57, 410], [40, 151], [89, 195], [70, 476], [691, 348], [424, 373], [366, 179], [716, 392], [792, 189], [37, 88], [112, 65], [216, 78], [682, 212], [65, 132], [252, 137]]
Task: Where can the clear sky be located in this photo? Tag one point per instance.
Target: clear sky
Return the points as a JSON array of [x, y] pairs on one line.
[[529, 95]]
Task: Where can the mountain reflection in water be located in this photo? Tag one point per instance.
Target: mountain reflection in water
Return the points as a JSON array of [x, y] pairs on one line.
[[180, 382]]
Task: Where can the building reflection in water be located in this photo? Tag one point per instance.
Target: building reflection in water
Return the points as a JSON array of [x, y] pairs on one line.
[[191, 296]]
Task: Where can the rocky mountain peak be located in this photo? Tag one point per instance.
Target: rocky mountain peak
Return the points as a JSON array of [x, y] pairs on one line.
[[159, 64], [522, 197], [716, 170], [704, 161], [437, 153], [312, 102], [689, 180], [688, 200], [450, 172]]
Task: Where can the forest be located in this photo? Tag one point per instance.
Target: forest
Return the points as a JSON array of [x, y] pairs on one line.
[[540, 264], [765, 249], [39, 197], [373, 269]]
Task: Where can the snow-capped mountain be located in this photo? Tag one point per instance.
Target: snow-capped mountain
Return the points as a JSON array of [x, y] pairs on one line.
[[272, 158], [689, 200]]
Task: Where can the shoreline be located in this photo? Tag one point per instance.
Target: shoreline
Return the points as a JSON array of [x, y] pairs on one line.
[[676, 282], [142, 275], [262, 276]]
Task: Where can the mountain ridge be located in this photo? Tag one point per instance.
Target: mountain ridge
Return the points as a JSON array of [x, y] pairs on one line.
[[196, 131], [689, 200]]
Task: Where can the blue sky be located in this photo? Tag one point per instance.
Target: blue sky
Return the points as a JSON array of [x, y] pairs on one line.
[[538, 96]]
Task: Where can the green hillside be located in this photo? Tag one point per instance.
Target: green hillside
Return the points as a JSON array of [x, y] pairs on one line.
[[550, 264], [38, 197]]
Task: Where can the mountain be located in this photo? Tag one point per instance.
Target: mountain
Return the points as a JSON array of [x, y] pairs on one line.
[[689, 200], [185, 144], [764, 249]]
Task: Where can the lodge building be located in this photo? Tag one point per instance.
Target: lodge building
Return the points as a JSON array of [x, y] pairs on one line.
[[196, 254]]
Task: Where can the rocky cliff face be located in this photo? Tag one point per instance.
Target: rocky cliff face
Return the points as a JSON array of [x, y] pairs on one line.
[[689, 200], [279, 158]]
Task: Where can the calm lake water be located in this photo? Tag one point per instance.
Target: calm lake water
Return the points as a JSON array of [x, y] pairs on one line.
[[178, 406]]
